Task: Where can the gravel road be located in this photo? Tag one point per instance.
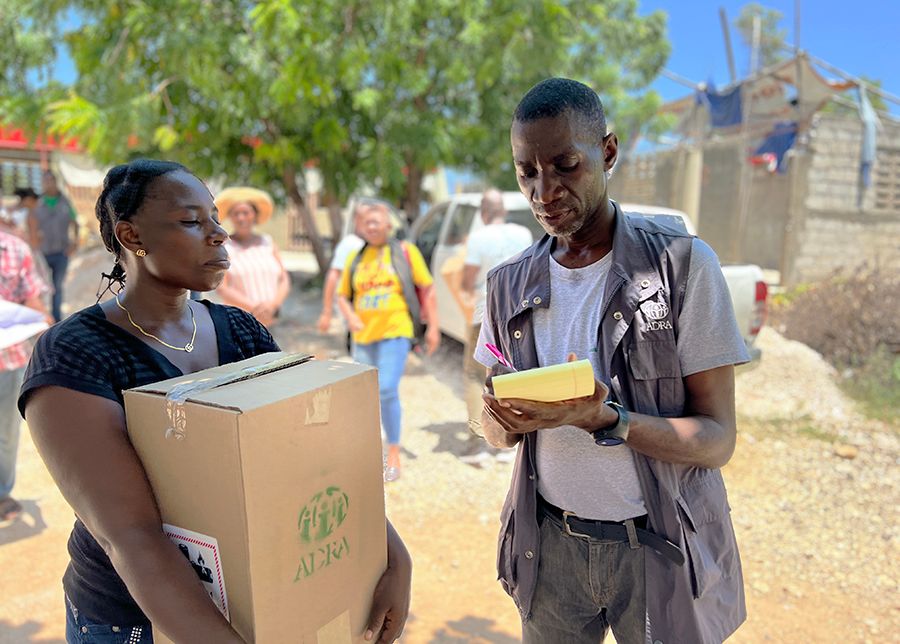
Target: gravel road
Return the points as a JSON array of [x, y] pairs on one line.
[[813, 487]]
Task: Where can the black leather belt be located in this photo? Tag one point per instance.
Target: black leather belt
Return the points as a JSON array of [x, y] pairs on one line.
[[613, 531]]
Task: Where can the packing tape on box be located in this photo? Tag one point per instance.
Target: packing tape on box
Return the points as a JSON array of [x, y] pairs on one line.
[[337, 631], [180, 393]]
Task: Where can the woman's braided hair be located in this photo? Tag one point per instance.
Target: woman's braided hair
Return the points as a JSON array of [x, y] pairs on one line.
[[124, 190]]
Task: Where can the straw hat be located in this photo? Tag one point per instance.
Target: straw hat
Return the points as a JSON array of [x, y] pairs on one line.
[[227, 199]]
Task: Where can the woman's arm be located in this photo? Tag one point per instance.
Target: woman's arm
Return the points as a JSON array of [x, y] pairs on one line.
[[83, 442], [284, 283], [349, 314], [390, 605], [430, 314]]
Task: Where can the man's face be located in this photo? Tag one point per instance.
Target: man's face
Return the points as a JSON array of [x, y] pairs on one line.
[[48, 184], [561, 168]]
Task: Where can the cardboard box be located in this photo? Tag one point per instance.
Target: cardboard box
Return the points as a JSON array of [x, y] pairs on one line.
[[268, 474]]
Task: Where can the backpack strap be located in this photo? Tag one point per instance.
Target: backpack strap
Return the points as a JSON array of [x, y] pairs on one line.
[[404, 273], [353, 266]]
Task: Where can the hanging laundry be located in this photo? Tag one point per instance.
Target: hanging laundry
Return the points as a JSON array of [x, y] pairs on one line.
[[725, 109], [773, 150], [870, 124]]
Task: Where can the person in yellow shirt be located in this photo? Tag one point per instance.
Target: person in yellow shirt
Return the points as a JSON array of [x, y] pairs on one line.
[[384, 287]]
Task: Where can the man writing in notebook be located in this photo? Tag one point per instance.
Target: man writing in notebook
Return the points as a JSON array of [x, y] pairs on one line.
[[617, 515]]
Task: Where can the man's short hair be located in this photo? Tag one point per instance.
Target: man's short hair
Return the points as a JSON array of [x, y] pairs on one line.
[[25, 193], [556, 96]]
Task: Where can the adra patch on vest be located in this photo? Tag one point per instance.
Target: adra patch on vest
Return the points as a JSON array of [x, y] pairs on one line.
[[656, 311]]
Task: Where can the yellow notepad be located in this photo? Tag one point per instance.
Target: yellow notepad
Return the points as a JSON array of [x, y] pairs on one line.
[[548, 384]]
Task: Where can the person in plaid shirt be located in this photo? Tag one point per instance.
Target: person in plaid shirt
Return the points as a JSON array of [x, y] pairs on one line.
[[20, 284]]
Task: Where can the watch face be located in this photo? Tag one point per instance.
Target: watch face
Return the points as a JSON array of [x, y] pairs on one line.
[[609, 441]]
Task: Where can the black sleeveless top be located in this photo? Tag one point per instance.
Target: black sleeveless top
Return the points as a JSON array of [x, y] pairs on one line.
[[88, 353]]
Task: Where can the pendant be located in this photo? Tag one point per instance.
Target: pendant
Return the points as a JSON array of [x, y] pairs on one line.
[[189, 347]]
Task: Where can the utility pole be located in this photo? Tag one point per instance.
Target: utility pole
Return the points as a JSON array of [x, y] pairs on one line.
[[726, 33]]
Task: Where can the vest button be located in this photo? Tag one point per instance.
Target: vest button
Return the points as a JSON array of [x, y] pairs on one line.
[[537, 300], [529, 554], [517, 334], [645, 283], [116, 629], [84, 629], [617, 315], [524, 303]]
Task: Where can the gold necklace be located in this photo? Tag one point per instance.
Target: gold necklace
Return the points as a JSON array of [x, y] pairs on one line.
[[188, 347]]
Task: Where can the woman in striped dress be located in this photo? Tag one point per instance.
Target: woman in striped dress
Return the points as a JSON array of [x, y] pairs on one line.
[[257, 281]]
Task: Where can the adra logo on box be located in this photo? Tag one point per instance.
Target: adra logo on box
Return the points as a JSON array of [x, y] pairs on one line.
[[319, 518]]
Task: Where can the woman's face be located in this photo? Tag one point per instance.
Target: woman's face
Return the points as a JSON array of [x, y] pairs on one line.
[[243, 218], [375, 226], [178, 226]]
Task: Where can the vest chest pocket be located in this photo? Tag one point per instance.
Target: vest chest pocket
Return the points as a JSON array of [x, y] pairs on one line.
[[656, 373]]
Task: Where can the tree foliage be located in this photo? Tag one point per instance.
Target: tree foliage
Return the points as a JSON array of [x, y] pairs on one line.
[[374, 92], [772, 37]]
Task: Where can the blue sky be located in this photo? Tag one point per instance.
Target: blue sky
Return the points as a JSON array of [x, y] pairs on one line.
[[859, 36]]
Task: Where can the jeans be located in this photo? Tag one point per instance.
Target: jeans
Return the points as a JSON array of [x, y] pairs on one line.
[[59, 264], [82, 631], [10, 381], [389, 357], [584, 587]]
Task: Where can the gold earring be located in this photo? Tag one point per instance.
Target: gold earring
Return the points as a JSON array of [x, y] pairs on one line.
[[140, 252]]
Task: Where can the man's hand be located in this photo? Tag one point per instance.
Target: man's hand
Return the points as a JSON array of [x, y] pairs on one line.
[[72, 249], [432, 339], [516, 416]]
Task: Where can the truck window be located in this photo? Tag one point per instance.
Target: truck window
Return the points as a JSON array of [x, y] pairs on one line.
[[460, 224], [429, 232]]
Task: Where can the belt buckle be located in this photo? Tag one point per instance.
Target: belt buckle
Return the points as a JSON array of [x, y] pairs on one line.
[[568, 528]]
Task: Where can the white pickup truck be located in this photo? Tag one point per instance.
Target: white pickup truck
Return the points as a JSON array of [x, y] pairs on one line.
[[441, 232]]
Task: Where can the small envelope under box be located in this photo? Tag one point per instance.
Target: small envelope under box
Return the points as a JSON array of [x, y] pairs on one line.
[[268, 477]]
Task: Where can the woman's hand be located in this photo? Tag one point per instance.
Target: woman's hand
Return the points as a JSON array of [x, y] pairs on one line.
[[324, 322], [432, 338], [355, 323], [390, 604], [265, 313]]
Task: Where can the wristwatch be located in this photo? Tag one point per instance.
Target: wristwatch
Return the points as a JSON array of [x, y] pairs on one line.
[[616, 433]]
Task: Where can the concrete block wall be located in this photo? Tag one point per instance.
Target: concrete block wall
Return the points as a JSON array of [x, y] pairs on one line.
[[837, 235], [833, 242]]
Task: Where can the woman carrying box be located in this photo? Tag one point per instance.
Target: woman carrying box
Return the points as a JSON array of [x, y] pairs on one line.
[[124, 574]]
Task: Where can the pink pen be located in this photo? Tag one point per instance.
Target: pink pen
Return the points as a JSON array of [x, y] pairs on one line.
[[500, 358]]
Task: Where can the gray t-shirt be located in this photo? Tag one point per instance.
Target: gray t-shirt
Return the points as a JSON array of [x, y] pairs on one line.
[[574, 473]]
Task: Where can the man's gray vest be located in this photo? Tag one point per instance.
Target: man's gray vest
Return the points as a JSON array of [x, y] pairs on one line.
[[703, 600]]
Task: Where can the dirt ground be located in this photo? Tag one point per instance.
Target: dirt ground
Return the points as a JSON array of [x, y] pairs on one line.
[[813, 488]]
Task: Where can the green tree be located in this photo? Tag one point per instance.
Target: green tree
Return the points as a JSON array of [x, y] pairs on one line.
[[30, 47], [771, 36], [375, 92]]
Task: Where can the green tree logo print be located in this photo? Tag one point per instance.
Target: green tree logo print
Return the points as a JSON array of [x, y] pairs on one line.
[[323, 514]]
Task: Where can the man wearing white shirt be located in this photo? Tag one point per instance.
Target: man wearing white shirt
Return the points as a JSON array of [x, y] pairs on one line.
[[487, 247], [348, 245]]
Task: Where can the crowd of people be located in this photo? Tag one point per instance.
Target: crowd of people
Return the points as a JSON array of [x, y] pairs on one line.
[[617, 516]]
